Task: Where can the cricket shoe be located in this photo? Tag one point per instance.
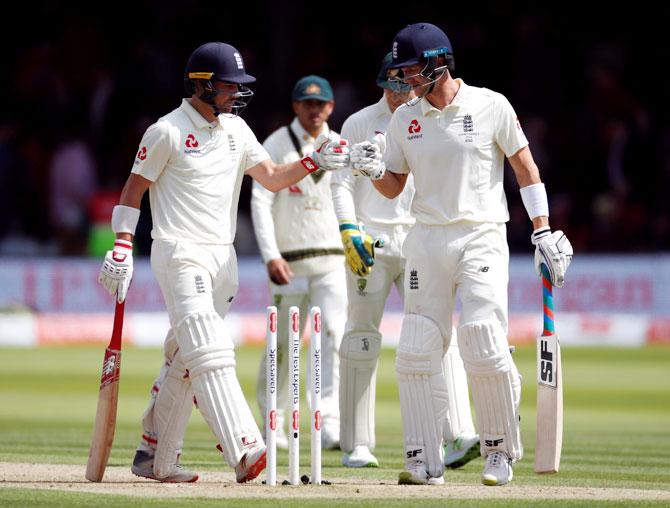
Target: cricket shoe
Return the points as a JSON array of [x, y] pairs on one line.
[[251, 465], [143, 465], [416, 474], [360, 457], [460, 452], [498, 469]]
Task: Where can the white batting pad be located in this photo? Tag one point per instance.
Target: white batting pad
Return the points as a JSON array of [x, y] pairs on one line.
[[172, 412], [358, 377], [495, 384], [148, 442], [423, 391], [207, 353], [459, 417]]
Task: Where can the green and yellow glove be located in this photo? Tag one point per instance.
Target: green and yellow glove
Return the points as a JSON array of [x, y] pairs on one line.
[[359, 248]]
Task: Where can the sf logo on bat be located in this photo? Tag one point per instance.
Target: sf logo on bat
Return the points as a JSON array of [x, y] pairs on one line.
[[546, 359]]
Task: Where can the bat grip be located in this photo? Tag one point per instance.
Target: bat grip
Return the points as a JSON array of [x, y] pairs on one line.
[[115, 342], [547, 301]]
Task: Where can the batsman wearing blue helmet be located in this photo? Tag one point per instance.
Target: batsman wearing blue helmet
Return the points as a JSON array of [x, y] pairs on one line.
[[365, 215], [192, 161], [454, 139]]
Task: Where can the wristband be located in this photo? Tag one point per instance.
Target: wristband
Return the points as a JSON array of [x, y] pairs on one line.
[[309, 164], [534, 198], [124, 219]]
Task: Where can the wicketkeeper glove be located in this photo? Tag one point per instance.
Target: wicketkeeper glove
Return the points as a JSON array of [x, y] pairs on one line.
[[554, 250], [359, 248], [331, 153], [117, 269]]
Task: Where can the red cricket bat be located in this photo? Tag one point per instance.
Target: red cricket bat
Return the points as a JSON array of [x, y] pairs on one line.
[[549, 439], [105, 417]]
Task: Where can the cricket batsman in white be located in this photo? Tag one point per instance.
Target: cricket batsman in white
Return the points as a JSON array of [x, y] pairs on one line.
[[454, 139], [192, 161], [367, 219]]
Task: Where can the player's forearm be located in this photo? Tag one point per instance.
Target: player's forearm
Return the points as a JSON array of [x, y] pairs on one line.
[[275, 177], [343, 202], [131, 197], [391, 185]]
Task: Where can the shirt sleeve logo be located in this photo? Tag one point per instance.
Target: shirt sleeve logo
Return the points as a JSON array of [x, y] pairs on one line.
[[142, 154]]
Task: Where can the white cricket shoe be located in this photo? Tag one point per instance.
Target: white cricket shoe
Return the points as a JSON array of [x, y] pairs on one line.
[[360, 457], [498, 469], [460, 452], [251, 465], [416, 474], [143, 465]]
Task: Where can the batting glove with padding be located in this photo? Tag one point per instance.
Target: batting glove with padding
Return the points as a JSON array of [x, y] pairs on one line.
[[366, 160], [117, 269], [331, 153], [554, 250]]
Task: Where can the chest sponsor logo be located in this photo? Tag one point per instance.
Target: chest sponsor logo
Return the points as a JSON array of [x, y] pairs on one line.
[[141, 155], [294, 189], [414, 129], [191, 144]]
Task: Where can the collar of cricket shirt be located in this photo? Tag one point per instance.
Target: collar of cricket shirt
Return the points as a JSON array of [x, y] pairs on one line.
[[427, 109], [304, 136], [383, 107], [199, 121]]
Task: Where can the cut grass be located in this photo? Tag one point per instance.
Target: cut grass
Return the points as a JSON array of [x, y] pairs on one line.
[[617, 409]]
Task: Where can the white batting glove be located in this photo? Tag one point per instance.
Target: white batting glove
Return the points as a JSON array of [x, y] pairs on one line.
[[554, 250], [331, 153], [366, 160], [117, 269]]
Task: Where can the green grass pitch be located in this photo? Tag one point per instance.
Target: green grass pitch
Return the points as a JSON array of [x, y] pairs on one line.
[[617, 423]]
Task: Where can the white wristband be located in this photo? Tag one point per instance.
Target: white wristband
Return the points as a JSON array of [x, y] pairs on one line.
[[534, 198], [124, 219]]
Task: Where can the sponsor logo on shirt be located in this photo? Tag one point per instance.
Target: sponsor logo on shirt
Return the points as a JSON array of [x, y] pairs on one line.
[[191, 144], [294, 189], [141, 155], [414, 129]]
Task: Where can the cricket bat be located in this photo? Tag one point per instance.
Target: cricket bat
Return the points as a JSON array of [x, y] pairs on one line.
[[105, 417], [549, 438]]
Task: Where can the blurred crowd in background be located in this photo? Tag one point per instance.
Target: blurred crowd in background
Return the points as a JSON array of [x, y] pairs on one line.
[[588, 89]]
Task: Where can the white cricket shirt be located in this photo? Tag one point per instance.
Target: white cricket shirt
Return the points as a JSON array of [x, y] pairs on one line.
[[196, 169], [297, 223], [369, 206], [456, 155]]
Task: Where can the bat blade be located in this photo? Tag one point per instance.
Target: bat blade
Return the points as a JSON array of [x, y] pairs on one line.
[[549, 437], [105, 417]]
